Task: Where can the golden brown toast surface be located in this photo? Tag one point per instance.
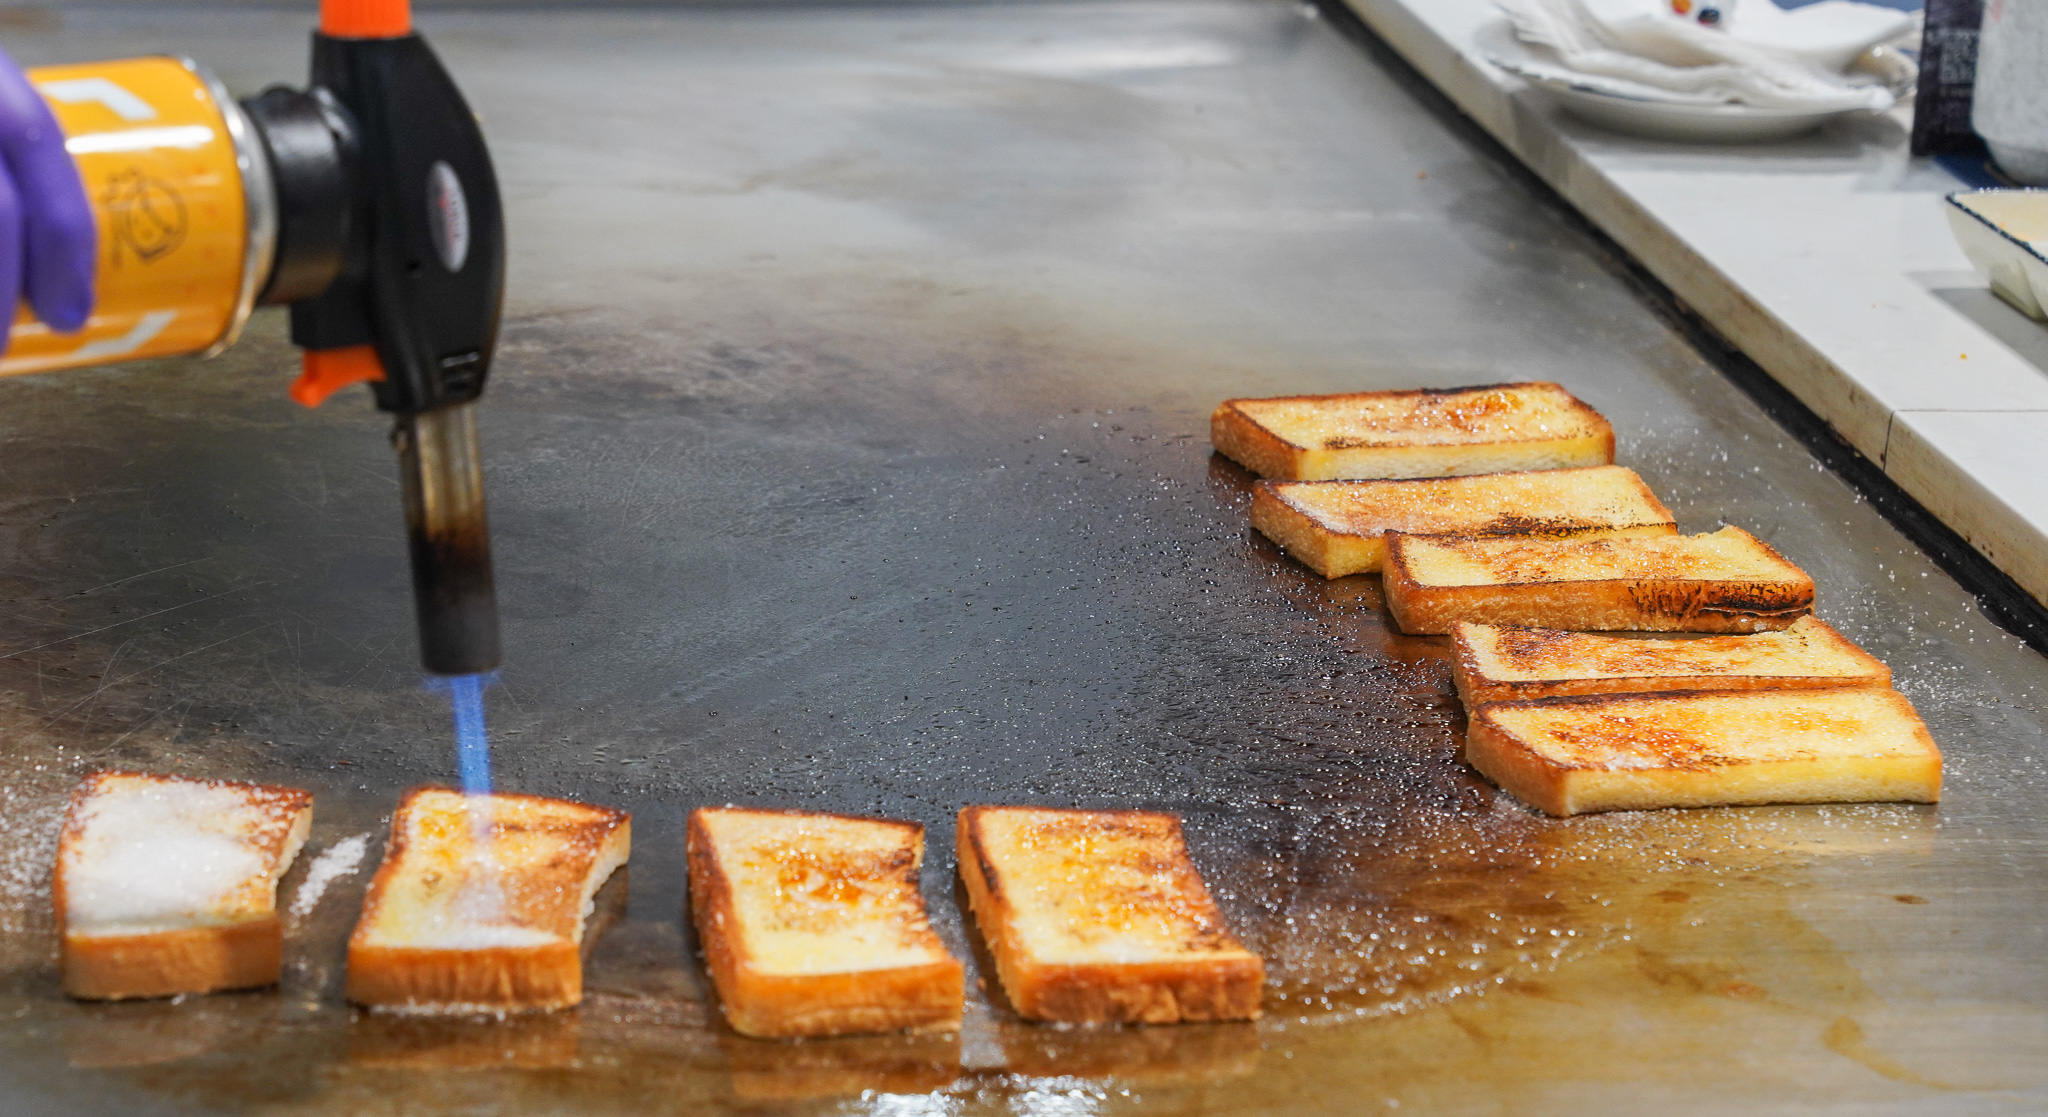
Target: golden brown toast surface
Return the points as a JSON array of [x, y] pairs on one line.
[[166, 885], [530, 882], [821, 893], [480, 901], [1100, 915], [814, 924], [1494, 664], [1415, 433], [1707, 748], [1337, 527], [1723, 581]]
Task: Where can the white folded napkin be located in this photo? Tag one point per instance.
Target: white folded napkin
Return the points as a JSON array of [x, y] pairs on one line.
[[1761, 55]]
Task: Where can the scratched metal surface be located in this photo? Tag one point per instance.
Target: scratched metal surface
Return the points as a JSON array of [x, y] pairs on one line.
[[848, 450]]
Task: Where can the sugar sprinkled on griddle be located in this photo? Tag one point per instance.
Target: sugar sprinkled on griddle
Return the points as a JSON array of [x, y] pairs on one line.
[[336, 861]]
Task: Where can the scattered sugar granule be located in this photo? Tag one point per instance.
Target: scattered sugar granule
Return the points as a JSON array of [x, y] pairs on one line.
[[159, 856], [336, 861]]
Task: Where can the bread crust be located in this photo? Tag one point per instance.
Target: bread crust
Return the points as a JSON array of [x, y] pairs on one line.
[[1650, 604], [919, 998], [1326, 553], [1475, 687], [1564, 790], [541, 977], [244, 954], [538, 978], [1251, 444], [1151, 992]]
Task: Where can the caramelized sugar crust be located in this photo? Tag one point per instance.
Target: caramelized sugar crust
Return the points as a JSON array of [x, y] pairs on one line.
[[1539, 502], [1730, 554], [1809, 648], [1099, 885], [1702, 731], [819, 893], [437, 885], [1424, 417]]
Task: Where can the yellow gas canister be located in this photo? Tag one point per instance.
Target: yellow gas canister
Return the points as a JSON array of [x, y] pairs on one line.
[[187, 217]]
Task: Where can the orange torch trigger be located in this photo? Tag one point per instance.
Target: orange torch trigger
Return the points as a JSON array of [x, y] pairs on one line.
[[327, 371], [366, 19]]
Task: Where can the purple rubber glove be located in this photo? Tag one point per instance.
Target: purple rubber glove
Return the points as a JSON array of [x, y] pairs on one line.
[[48, 236]]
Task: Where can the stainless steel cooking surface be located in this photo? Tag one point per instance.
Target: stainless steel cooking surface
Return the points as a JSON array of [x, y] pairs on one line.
[[849, 450]]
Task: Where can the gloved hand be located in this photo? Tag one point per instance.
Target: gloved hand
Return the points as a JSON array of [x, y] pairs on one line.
[[48, 237]]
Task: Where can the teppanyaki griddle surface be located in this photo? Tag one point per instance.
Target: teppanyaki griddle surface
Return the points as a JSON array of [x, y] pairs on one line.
[[848, 449]]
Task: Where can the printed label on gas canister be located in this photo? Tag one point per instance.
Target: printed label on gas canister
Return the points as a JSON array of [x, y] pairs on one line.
[[159, 168]]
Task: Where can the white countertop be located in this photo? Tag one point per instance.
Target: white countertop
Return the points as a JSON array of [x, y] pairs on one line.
[[1827, 260]]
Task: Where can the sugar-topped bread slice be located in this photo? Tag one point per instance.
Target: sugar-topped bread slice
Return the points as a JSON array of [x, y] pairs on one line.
[[1723, 581], [1427, 432], [480, 902], [1496, 664], [1100, 917], [814, 924], [1339, 527], [167, 885], [1706, 748]]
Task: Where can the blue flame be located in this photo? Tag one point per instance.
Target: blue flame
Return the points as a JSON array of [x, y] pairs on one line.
[[472, 742]]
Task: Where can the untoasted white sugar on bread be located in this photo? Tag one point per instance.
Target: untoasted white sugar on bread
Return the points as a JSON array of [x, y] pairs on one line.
[[1429, 432], [1708, 748], [1497, 664], [1723, 581], [167, 885], [480, 902], [1339, 527], [814, 924], [1100, 917]]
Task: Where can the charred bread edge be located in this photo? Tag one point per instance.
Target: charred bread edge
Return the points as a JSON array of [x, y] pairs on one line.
[[713, 911], [544, 977], [1083, 992], [1546, 785]]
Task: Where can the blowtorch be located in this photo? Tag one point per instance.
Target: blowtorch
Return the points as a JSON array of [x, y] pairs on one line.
[[366, 203]]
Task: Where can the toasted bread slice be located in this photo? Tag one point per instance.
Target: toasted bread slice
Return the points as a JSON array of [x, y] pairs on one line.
[[1427, 432], [167, 885], [1706, 749], [1099, 917], [479, 904], [1339, 527], [1506, 664], [814, 924], [1724, 581]]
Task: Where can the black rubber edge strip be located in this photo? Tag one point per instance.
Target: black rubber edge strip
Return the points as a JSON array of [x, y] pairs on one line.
[[1999, 597]]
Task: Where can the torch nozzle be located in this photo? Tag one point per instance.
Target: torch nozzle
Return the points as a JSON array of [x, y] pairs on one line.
[[441, 469]]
